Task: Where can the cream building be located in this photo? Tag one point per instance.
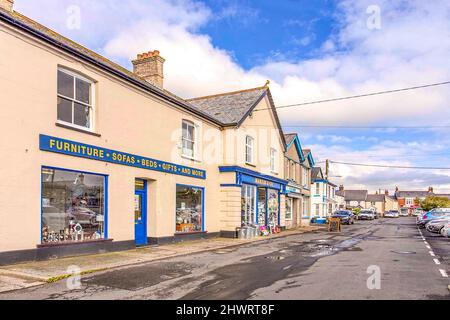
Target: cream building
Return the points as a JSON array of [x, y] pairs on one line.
[[98, 158], [298, 163]]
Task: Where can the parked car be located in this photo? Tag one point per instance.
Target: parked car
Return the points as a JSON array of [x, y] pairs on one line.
[[391, 214], [404, 212], [438, 213], [346, 216], [445, 231], [418, 212], [436, 225], [366, 215]]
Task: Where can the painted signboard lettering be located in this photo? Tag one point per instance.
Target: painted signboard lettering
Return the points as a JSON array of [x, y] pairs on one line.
[[77, 149]]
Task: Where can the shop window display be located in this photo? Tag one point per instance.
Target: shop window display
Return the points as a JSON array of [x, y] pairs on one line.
[[248, 205], [273, 207], [189, 209], [73, 206]]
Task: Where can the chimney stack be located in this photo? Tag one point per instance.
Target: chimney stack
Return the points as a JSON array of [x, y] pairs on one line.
[[341, 187], [7, 5], [386, 192], [430, 190], [149, 66]]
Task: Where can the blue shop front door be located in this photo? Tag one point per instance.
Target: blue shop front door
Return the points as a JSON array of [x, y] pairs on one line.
[[140, 213]]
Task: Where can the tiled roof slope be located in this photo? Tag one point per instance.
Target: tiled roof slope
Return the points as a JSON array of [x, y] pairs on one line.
[[66, 44], [232, 107], [289, 138]]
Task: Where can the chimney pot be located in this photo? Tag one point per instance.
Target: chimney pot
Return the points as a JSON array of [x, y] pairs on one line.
[[7, 5], [386, 192], [150, 66]]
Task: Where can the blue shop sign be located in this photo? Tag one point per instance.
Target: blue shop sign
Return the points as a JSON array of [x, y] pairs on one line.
[[260, 182], [290, 189], [82, 150]]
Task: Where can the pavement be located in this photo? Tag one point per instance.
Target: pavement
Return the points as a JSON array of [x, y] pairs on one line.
[[381, 259], [30, 274]]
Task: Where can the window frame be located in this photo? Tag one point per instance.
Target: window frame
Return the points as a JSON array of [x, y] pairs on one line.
[[291, 201], [73, 100], [193, 141], [105, 200], [202, 189], [249, 144]]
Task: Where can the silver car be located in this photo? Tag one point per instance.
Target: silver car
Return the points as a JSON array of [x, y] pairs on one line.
[[436, 225]]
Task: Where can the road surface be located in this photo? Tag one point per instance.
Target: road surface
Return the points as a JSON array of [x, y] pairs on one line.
[[317, 265]]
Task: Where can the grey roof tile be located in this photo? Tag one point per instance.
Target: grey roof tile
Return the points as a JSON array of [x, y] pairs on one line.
[[230, 108], [355, 195]]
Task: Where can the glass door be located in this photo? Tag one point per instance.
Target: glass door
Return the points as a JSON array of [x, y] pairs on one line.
[[262, 206], [140, 213]]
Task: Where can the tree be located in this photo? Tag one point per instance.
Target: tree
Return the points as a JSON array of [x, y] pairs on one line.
[[435, 202]]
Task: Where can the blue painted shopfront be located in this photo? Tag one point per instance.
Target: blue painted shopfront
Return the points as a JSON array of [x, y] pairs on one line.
[[263, 183]]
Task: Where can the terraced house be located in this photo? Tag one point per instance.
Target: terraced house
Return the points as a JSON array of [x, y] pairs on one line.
[[298, 164], [98, 158]]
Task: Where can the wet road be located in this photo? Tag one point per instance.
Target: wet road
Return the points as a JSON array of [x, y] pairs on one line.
[[316, 265]]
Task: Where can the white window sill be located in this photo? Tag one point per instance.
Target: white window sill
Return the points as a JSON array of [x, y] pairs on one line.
[[190, 158], [70, 126]]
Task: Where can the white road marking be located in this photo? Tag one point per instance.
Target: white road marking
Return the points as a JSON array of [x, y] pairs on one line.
[[428, 247], [443, 273], [426, 243], [436, 261], [432, 254]]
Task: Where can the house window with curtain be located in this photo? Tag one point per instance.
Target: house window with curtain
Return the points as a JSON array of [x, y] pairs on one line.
[[75, 101], [317, 188], [188, 139]]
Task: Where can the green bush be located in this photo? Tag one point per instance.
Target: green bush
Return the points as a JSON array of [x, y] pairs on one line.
[[433, 202]]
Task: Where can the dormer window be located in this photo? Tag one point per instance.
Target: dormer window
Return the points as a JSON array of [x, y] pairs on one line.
[[75, 103]]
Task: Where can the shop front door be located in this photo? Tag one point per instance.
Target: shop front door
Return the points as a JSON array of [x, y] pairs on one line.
[[262, 206], [140, 213]]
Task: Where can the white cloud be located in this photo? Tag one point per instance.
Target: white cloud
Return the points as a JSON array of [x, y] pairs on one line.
[[410, 49]]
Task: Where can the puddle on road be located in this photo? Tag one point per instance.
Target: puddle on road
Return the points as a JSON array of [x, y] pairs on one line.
[[403, 252]]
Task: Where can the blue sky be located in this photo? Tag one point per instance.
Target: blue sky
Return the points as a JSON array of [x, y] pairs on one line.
[[310, 50]]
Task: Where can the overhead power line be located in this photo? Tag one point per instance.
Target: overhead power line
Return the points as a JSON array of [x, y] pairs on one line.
[[359, 127], [388, 166], [361, 95]]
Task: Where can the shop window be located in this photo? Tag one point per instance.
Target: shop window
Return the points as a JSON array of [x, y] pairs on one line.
[[262, 202], [273, 207], [249, 142], [189, 211], [289, 207], [73, 206], [248, 205], [188, 139], [75, 103]]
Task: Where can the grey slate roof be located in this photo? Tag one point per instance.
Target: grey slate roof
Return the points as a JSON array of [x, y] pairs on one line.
[[289, 138], [316, 173], [355, 195], [230, 108], [412, 194], [72, 47], [340, 193], [375, 198]]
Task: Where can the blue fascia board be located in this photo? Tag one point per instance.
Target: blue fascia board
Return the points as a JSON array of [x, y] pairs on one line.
[[249, 172]]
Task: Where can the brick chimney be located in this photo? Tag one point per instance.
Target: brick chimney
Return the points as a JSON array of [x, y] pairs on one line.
[[386, 192], [7, 5], [150, 67], [430, 190], [341, 187]]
